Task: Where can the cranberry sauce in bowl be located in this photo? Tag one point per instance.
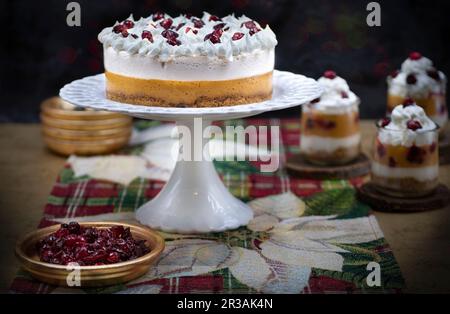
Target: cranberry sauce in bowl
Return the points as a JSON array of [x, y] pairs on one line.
[[89, 246]]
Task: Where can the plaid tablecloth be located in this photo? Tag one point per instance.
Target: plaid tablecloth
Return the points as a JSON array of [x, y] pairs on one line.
[[307, 236]]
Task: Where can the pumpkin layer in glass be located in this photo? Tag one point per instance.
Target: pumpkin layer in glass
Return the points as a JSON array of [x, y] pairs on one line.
[[405, 156], [330, 132]]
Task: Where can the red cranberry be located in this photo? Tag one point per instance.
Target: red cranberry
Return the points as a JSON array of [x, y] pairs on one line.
[[433, 147], [415, 56], [197, 23], [128, 24], [113, 257], [392, 162], [395, 73], [219, 26], [411, 79], [327, 125], [125, 33], [381, 150], [214, 18], [166, 23], [249, 24], [173, 41], [190, 29], [188, 15], [253, 31], [62, 233], [413, 125], [157, 16], [344, 95], [434, 75], [408, 102], [237, 36], [147, 35], [119, 28], [330, 75], [385, 122], [180, 26], [416, 155], [169, 34], [214, 37]]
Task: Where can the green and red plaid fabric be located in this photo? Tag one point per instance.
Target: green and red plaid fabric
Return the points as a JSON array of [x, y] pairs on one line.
[[84, 196]]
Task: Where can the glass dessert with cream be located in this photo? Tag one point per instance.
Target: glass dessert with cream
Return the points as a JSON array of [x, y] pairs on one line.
[[420, 80], [330, 132], [405, 157]]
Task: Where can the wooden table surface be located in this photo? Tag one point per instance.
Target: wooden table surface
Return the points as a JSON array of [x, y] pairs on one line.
[[420, 241]]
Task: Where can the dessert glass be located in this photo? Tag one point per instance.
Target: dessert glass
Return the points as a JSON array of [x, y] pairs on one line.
[[330, 138], [402, 169]]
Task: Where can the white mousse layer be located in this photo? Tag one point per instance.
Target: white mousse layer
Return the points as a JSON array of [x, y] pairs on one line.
[[189, 68], [420, 174], [315, 144], [337, 97]]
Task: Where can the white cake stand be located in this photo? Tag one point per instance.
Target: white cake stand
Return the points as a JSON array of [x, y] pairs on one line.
[[194, 200]]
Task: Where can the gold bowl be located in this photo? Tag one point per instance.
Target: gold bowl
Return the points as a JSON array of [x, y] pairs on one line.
[[90, 276]]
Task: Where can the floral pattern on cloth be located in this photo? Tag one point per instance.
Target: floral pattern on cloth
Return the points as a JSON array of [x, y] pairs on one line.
[[306, 236]]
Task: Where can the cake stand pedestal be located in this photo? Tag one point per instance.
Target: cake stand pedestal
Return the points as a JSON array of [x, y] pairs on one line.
[[194, 200]]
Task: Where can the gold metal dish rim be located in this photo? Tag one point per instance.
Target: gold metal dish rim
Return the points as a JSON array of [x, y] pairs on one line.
[[40, 233]]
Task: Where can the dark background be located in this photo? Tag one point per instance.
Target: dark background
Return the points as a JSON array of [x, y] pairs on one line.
[[40, 53]]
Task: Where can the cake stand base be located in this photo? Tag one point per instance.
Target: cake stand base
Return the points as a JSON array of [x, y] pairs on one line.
[[194, 200]]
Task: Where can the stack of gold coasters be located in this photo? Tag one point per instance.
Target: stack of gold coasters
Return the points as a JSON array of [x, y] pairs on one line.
[[68, 129]]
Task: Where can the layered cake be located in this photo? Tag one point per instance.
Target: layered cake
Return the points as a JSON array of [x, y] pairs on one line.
[[188, 61], [405, 161], [420, 80], [330, 124]]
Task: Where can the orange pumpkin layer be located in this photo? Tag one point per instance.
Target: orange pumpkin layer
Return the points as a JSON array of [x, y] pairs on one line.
[[167, 93], [318, 123]]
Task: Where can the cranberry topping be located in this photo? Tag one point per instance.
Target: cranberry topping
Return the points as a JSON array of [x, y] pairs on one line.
[[392, 162], [433, 147], [381, 150], [173, 41], [385, 122], [415, 56], [197, 23], [179, 26], [249, 24], [188, 15], [416, 155], [395, 73], [125, 33], [344, 95], [330, 75], [128, 24], [413, 125], [253, 31], [166, 23], [408, 102], [158, 16], [168, 33], [411, 79], [191, 29], [214, 18], [119, 28], [147, 35], [237, 36], [219, 26], [214, 37], [90, 246], [434, 75]]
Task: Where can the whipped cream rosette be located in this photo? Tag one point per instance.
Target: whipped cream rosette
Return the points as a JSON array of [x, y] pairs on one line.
[[330, 124], [420, 80]]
